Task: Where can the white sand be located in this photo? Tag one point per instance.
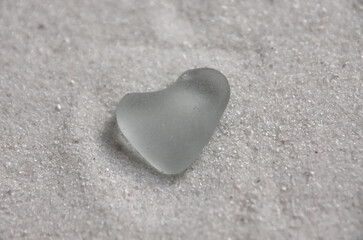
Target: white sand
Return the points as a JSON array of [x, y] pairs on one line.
[[285, 163]]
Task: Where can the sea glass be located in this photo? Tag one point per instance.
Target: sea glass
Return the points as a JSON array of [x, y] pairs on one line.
[[169, 128]]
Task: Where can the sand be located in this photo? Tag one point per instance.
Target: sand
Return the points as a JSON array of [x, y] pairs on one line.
[[286, 161]]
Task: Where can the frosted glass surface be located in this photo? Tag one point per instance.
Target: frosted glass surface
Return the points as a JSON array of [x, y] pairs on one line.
[[170, 127]]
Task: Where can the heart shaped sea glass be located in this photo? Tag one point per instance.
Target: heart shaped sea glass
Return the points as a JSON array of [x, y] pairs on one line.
[[170, 127]]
